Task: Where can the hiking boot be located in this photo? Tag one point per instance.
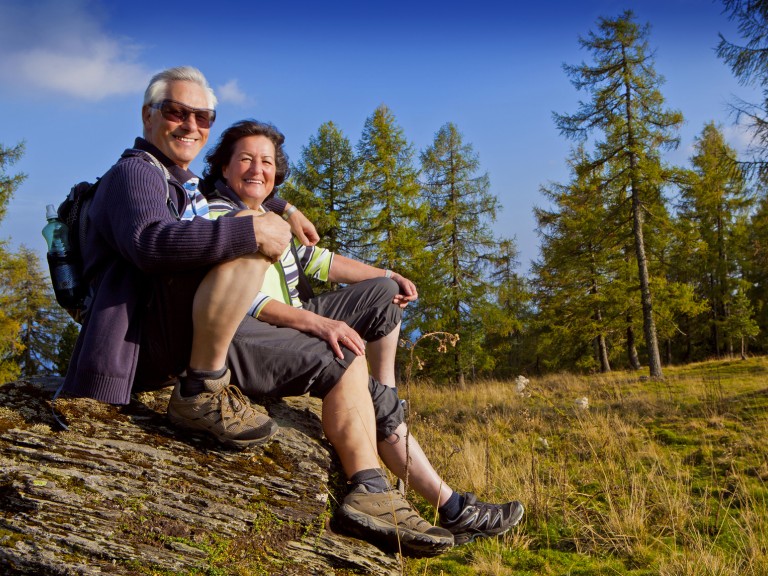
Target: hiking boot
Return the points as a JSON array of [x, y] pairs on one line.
[[479, 519], [387, 520], [223, 411]]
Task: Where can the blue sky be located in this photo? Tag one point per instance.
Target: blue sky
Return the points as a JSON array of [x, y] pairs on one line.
[[72, 74]]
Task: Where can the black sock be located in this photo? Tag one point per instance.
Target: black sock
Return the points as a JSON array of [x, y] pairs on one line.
[[374, 480], [451, 509], [193, 383]]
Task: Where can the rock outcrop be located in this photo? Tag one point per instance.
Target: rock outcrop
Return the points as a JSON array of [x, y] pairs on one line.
[[123, 492]]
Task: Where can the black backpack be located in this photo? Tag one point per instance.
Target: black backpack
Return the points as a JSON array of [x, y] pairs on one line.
[[73, 212]]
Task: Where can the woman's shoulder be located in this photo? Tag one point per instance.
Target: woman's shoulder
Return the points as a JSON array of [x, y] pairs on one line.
[[219, 205]]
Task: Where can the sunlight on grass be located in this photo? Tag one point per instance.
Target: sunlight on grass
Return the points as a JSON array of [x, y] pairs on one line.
[[639, 477]]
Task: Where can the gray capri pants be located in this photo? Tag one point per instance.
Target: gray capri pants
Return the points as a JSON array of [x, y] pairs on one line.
[[267, 360]]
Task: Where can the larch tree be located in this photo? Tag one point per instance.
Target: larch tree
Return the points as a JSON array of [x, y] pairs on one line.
[[66, 347], [507, 313], [756, 270], [324, 184], [42, 321], [740, 323], [626, 108], [748, 61], [31, 322], [461, 244], [9, 183], [388, 229], [577, 271], [716, 203], [10, 269]]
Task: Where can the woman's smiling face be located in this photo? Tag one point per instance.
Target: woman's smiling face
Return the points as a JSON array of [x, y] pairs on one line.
[[251, 170]]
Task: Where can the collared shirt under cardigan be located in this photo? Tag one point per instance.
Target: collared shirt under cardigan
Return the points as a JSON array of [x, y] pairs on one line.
[[282, 278]]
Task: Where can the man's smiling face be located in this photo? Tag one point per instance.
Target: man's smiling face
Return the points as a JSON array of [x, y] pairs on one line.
[[180, 141]]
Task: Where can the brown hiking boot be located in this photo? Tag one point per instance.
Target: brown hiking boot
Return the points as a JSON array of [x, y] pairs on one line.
[[223, 411], [387, 520]]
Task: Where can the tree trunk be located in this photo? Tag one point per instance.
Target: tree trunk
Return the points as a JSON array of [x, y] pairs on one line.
[[634, 360], [601, 347], [460, 380], [602, 354], [743, 348], [649, 326]]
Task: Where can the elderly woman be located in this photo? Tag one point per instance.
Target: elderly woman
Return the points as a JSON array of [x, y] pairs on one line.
[[289, 345]]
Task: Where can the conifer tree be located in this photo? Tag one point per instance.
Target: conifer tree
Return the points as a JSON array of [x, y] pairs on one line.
[[10, 266], [389, 225], [10, 326], [756, 268], [461, 210], [749, 63], [65, 347], [740, 323], [507, 314], [324, 183], [580, 272], [41, 319], [715, 203], [626, 107], [8, 183]]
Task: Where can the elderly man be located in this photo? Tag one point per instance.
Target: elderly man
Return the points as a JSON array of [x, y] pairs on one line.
[[156, 276], [170, 288]]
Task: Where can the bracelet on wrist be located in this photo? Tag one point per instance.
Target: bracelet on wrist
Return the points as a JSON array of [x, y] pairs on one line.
[[287, 213], [388, 274]]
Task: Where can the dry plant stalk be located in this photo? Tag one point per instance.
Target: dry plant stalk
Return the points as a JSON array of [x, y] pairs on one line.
[[443, 340]]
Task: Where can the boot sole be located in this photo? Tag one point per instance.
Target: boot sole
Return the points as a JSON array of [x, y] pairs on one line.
[[231, 442], [388, 537]]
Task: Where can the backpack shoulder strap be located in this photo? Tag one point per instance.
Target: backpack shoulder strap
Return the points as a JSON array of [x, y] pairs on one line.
[[166, 174], [304, 287]]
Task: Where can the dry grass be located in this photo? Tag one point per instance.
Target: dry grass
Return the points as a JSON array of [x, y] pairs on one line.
[[652, 478]]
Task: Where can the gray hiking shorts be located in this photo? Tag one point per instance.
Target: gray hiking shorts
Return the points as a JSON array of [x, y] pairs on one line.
[[267, 360]]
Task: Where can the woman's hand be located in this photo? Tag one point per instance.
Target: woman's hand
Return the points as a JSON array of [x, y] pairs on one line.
[[408, 292], [337, 334]]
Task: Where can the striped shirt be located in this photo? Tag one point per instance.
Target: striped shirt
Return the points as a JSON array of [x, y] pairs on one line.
[[282, 278]]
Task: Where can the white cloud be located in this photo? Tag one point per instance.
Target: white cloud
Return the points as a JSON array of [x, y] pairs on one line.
[[739, 136], [63, 48], [231, 93]]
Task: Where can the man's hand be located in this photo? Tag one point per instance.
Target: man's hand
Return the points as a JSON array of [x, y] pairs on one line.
[[273, 235], [303, 229]]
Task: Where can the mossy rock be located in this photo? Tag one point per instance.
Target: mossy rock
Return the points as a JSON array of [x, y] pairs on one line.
[[124, 492]]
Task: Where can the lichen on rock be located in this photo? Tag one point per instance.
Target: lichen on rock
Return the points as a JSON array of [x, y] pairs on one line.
[[124, 492]]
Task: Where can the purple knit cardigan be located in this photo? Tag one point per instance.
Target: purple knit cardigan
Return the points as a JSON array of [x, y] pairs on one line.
[[131, 236]]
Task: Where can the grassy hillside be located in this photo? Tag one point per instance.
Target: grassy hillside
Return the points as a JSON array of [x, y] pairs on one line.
[[651, 478]]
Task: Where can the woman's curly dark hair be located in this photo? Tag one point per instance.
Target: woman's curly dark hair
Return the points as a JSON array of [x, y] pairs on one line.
[[221, 154]]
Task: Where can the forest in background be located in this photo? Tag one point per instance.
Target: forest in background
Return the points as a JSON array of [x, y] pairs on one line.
[[641, 263]]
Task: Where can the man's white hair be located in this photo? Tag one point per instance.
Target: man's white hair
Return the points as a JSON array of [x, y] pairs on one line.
[[158, 86]]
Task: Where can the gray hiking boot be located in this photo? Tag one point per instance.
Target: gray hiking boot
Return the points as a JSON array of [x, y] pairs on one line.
[[222, 411], [479, 519], [387, 520]]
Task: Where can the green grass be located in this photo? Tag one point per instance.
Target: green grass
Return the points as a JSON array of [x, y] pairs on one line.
[[667, 478]]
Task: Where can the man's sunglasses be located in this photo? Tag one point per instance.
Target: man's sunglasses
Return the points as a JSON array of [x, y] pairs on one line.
[[177, 112]]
